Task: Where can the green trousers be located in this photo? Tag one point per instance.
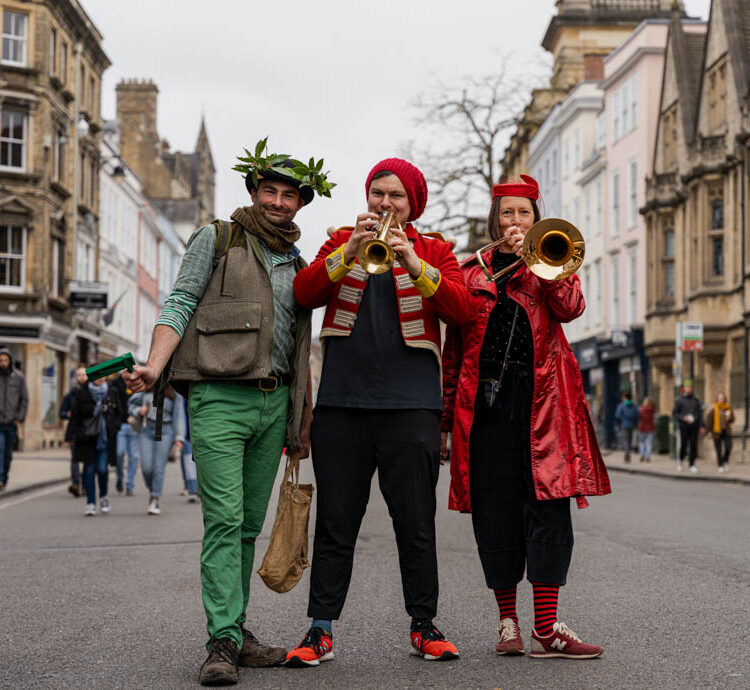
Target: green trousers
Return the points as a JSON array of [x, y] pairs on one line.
[[238, 438]]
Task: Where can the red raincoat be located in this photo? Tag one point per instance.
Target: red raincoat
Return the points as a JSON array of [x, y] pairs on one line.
[[565, 457]]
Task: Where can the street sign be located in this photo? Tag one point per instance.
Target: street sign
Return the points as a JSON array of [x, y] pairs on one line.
[[88, 294], [692, 336]]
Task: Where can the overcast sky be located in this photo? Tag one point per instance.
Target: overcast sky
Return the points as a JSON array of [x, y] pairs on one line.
[[332, 79]]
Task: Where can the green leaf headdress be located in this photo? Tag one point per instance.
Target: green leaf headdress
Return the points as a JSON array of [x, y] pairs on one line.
[[261, 161]]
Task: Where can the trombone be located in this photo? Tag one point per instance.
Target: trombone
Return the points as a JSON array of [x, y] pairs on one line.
[[376, 255], [553, 249]]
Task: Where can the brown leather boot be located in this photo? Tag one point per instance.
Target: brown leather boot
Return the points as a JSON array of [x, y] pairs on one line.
[[220, 668], [253, 653]]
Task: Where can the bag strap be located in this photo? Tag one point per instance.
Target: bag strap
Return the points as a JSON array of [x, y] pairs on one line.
[[292, 468], [507, 349]]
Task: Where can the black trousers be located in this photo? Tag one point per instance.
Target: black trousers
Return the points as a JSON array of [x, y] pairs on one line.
[[689, 443], [514, 530], [723, 446], [347, 446]]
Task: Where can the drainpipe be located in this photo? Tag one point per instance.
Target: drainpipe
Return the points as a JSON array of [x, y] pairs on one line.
[[746, 335]]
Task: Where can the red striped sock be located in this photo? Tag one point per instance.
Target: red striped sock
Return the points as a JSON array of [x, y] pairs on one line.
[[545, 607], [506, 602]]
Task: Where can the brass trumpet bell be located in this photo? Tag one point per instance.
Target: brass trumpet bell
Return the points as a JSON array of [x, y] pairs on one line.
[[553, 249], [376, 255]]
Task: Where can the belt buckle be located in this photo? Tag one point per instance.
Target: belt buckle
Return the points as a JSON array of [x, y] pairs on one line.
[[274, 381]]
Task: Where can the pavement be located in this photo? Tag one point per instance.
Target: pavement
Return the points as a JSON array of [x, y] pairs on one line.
[[659, 578], [39, 469]]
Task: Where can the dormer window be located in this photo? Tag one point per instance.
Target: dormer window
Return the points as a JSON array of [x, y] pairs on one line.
[[717, 96]]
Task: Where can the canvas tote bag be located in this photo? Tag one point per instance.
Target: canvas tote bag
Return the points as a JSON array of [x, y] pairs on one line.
[[286, 556]]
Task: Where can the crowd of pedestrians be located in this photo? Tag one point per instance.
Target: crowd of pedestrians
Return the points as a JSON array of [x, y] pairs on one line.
[[110, 426]]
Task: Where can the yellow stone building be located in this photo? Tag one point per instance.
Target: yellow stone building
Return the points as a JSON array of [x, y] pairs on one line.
[[697, 208], [50, 93]]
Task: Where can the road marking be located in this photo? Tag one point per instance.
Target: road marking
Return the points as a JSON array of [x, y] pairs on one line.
[[22, 499]]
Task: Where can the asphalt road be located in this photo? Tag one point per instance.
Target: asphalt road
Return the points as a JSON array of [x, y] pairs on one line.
[[660, 577]]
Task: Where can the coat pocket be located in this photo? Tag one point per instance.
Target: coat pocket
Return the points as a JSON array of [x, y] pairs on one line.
[[228, 334]]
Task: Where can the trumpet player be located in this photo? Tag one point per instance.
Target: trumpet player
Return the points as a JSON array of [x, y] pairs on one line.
[[379, 402], [522, 439]]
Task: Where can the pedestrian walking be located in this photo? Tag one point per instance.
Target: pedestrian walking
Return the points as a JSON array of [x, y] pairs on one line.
[[646, 429], [75, 487], [14, 401], [242, 357], [378, 404], [626, 417], [94, 405], [189, 472], [522, 439], [155, 454], [125, 442], [719, 421], [689, 418]]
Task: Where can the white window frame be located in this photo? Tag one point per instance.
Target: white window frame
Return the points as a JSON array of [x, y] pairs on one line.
[[15, 142], [616, 116], [614, 188], [85, 260], [632, 193], [9, 256], [599, 205], [20, 38], [577, 149], [634, 102], [632, 284], [625, 107], [598, 291], [52, 51]]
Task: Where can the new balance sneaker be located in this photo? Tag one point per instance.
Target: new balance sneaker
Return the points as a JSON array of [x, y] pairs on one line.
[[255, 654], [430, 644], [90, 509], [104, 504], [510, 642], [220, 668], [153, 506], [316, 647], [563, 643]]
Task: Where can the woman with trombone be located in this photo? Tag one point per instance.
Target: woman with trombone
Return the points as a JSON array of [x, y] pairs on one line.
[[522, 439]]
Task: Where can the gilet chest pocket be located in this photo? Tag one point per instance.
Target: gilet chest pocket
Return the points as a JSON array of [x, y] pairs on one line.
[[228, 335]]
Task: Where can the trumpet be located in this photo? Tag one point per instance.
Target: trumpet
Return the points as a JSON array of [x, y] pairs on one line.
[[376, 255], [553, 249]]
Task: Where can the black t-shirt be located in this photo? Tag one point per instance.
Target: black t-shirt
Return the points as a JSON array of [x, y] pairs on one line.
[[521, 354], [373, 368]]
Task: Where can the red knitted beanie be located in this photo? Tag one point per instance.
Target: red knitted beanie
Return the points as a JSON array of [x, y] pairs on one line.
[[412, 179]]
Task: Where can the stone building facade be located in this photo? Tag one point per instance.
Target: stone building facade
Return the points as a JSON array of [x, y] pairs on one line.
[[181, 185], [50, 93], [697, 208], [579, 36]]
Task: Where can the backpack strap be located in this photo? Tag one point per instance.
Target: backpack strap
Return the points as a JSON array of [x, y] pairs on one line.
[[224, 236]]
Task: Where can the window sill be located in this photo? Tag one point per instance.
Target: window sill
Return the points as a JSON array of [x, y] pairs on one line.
[[21, 69], [21, 174]]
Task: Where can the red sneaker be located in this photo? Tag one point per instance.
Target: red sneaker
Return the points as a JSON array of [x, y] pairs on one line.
[[563, 643], [510, 642], [316, 647], [430, 644]]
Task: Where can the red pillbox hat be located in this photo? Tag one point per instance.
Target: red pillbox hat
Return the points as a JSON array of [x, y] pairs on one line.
[[529, 188]]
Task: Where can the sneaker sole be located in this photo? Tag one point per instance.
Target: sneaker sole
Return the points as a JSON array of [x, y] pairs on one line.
[[512, 652], [560, 655], [445, 656], [298, 662]]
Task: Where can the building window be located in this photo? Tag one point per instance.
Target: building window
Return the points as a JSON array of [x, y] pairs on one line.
[[12, 257], [13, 140], [616, 129], [717, 96], [58, 267], [587, 294], [82, 86], [93, 177], [632, 194], [614, 320], [587, 203], [91, 96], [577, 149], [599, 205], [15, 30], [82, 181], [85, 261], [566, 156], [600, 131], [632, 284], [52, 52], [63, 62], [615, 215], [634, 101], [625, 105], [668, 136], [668, 254], [58, 156], [716, 234]]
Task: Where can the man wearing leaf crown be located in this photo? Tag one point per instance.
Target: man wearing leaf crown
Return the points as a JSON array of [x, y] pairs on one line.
[[235, 342]]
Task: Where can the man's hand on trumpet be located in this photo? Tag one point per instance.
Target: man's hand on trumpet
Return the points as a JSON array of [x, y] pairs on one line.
[[363, 232], [405, 253]]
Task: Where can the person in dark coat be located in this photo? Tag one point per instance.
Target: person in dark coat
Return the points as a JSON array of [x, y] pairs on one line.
[[687, 412], [626, 417], [14, 401], [66, 407]]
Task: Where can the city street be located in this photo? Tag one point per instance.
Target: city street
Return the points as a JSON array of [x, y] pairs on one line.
[[660, 577]]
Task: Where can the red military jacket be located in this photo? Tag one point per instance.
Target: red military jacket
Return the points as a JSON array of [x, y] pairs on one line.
[[565, 457], [439, 292]]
